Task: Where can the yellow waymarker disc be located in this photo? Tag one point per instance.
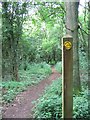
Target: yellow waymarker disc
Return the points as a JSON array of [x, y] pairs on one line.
[[67, 45]]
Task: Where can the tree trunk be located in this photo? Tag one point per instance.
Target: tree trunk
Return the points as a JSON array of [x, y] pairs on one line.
[[14, 44], [89, 56], [72, 29], [89, 45]]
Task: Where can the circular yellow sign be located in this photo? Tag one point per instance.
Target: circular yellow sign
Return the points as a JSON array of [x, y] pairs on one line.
[[67, 45]]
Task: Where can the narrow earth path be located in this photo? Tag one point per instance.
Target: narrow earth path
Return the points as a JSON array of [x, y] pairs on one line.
[[22, 105]]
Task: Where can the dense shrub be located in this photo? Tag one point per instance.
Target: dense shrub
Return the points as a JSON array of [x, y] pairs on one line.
[[80, 107], [34, 68], [33, 75], [50, 104], [83, 63]]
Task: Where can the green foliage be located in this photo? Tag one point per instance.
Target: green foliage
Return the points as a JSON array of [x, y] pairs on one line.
[[40, 68], [83, 61], [13, 14], [42, 33], [11, 89], [83, 68], [80, 106], [30, 36], [58, 67], [33, 75], [50, 104]]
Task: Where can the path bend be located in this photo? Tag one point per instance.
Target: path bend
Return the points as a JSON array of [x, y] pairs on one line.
[[22, 105]]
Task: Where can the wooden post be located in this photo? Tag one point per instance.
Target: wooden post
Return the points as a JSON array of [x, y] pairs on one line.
[[67, 76]]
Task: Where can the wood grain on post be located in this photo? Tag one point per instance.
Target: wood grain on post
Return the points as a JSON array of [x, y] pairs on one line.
[[67, 77]]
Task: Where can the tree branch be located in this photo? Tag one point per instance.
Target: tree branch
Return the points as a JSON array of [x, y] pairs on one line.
[[80, 26]]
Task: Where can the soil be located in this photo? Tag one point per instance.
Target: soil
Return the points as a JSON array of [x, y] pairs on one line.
[[22, 106]]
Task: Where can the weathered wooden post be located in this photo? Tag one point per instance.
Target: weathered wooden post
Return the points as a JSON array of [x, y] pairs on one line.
[[67, 76]]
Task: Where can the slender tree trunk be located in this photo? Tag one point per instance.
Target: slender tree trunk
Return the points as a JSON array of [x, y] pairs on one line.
[[89, 45], [14, 60], [89, 56], [14, 51], [72, 29]]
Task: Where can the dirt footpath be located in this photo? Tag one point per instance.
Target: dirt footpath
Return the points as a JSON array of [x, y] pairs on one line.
[[22, 105]]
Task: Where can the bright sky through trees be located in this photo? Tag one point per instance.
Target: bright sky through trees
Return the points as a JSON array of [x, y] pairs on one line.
[[82, 5]]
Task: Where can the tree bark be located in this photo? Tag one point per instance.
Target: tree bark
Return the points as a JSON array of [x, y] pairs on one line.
[[72, 29], [89, 56], [14, 44], [89, 45]]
